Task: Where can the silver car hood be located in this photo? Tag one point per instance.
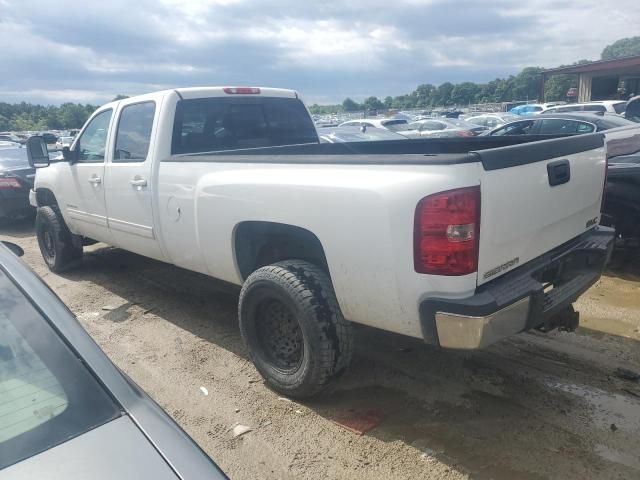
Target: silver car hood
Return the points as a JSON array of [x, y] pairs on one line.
[[116, 450]]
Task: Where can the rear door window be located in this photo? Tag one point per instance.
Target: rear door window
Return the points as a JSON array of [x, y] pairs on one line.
[[516, 128], [556, 126], [223, 123], [396, 125], [134, 132], [47, 395]]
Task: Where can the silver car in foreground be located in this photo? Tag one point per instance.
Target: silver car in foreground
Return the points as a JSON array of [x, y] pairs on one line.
[[66, 412]]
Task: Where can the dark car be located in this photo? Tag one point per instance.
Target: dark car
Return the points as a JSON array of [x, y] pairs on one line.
[[49, 138], [562, 124], [66, 412], [16, 179], [622, 192], [632, 111]]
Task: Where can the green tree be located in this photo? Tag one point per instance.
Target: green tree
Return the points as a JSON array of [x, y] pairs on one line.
[[372, 103], [622, 48], [442, 94], [5, 124], [388, 102], [526, 85], [423, 94], [464, 93], [556, 87], [119, 97], [351, 106]]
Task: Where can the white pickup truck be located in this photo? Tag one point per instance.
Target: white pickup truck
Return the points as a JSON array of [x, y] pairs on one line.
[[460, 248]]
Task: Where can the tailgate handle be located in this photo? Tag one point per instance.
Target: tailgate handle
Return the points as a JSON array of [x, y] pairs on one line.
[[559, 172]]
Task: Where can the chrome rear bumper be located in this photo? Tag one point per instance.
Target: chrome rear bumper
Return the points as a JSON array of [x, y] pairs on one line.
[[519, 300]]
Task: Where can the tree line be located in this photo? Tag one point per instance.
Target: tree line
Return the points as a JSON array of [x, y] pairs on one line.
[[30, 117], [523, 86]]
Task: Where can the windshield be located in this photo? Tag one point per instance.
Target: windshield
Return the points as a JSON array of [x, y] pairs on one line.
[[619, 107], [13, 157], [47, 396]]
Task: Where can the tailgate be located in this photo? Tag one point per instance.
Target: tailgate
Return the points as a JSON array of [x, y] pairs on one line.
[[536, 197]]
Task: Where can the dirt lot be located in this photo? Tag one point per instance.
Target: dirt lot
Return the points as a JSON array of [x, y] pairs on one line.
[[532, 407]]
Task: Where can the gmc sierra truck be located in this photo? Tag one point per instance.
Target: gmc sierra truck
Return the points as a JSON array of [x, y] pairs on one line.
[[460, 242]]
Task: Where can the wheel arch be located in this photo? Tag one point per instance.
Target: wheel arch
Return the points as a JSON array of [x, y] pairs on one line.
[[45, 197], [260, 243]]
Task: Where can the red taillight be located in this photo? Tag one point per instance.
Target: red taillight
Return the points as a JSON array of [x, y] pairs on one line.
[[241, 90], [446, 232], [9, 182]]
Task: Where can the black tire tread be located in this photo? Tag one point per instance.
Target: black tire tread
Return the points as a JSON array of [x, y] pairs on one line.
[[67, 253], [311, 288]]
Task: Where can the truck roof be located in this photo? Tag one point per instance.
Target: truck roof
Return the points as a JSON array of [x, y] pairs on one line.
[[200, 92], [208, 92]]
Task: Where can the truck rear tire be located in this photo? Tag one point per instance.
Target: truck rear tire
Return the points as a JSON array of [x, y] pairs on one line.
[[55, 240], [293, 327]]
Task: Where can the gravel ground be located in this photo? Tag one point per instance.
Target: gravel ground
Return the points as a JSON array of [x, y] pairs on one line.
[[531, 407]]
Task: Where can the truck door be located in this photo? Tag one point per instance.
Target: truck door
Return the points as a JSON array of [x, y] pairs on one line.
[[128, 183], [82, 188]]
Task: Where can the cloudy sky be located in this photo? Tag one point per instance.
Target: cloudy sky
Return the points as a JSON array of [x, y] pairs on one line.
[[89, 51]]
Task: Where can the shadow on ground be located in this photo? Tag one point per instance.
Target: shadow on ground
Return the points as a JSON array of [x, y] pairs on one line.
[[20, 228]]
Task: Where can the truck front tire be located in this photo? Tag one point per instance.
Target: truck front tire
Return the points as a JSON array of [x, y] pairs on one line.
[[293, 327], [58, 249]]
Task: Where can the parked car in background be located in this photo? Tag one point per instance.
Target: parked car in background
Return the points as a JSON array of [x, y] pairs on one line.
[[7, 144], [10, 137], [441, 128], [50, 138], [64, 142], [632, 111], [622, 191], [357, 134], [605, 106], [16, 180], [492, 120], [532, 108], [67, 413], [562, 124], [393, 124]]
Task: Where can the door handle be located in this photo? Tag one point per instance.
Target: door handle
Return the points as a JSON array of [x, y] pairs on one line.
[[95, 180], [138, 182], [559, 172]]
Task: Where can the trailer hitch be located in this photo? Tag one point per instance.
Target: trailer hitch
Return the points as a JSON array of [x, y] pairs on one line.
[[567, 320]]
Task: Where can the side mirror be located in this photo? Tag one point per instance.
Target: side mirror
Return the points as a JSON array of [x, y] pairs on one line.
[[37, 152], [69, 155]]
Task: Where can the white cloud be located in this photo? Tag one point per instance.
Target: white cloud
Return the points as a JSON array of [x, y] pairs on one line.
[[326, 49]]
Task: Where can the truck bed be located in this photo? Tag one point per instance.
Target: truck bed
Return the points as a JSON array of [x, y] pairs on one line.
[[493, 152]]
